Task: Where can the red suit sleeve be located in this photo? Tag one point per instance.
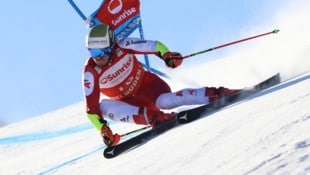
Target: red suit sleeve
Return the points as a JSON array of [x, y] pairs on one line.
[[91, 90]]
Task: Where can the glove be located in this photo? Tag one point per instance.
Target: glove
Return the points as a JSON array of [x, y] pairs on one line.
[[172, 59], [109, 138]]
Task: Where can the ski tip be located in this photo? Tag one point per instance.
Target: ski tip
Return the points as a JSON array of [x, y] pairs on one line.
[[277, 77]]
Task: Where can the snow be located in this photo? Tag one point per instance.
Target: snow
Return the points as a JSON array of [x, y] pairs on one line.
[[267, 133]]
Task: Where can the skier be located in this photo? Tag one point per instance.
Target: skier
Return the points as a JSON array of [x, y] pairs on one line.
[[134, 94]]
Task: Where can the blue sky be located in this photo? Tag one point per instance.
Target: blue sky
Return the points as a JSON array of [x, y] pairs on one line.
[[42, 52]]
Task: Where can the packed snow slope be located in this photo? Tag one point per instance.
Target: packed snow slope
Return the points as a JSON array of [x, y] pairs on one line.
[[267, 133]]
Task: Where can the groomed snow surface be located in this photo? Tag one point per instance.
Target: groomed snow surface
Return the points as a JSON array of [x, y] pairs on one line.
[[267, 133]]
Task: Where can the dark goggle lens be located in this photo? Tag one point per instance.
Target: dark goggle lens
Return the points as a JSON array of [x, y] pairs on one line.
[[100, 52]]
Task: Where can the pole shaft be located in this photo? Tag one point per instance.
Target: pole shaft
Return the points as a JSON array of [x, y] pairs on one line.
[[231, 43], [134, 131]]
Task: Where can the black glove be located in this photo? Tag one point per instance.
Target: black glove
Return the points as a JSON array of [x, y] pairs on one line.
[[172, 59]]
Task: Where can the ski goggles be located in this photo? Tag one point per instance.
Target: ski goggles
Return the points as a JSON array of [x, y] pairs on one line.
[[100, 52]]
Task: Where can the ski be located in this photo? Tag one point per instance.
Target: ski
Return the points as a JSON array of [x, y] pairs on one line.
[[188, 116], [195, 113]]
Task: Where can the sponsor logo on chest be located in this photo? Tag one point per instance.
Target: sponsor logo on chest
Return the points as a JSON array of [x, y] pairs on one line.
[[117, 73]]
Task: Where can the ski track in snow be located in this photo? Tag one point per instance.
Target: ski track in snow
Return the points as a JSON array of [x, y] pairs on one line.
[[72, 161]]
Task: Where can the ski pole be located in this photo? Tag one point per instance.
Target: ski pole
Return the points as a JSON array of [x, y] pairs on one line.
[[231, 43], [134, 131]]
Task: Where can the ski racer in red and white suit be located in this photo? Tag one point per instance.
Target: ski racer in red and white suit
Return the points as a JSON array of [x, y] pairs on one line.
[[135, 95]]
